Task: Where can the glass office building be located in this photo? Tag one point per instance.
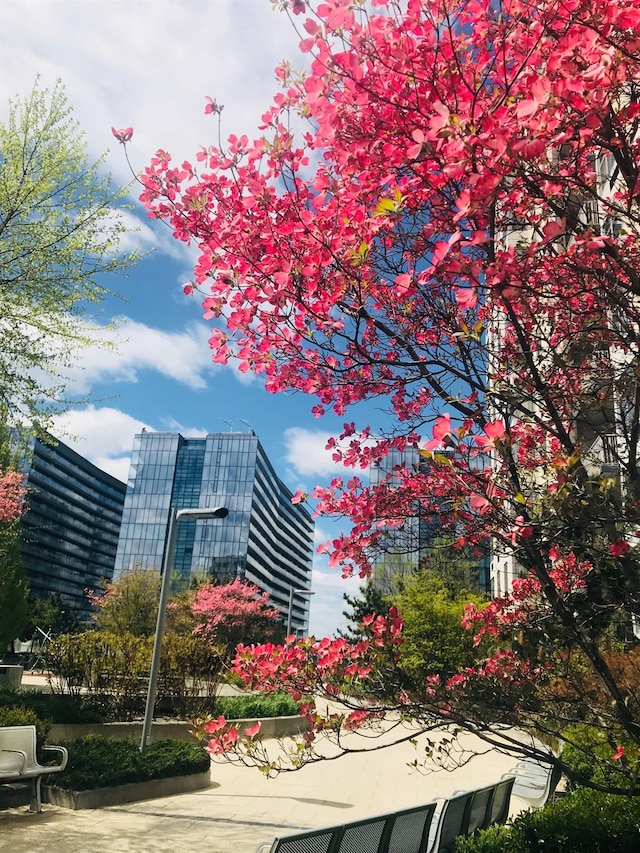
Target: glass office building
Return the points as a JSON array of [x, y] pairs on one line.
[[69, 534], [403, 550], [265, 539]]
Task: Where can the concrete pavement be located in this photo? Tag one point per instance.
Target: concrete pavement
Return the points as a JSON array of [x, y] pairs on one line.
[[242, 808]]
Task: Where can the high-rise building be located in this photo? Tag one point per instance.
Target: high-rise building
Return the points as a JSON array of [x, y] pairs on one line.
[[265, 539], [405, 549], [69, 533], [604, 414], [400, 550]]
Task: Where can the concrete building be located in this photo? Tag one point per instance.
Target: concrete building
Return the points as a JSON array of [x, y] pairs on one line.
[[69, 534], [600, 424], [265, 539]]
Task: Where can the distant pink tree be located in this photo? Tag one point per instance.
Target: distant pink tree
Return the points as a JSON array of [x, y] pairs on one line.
[[14, 609], [233, 613], [12, 494]]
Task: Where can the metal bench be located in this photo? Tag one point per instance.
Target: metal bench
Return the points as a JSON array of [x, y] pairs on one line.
[[535, 782], [413, 830], [18, 761], [467, 811], [405, 831]]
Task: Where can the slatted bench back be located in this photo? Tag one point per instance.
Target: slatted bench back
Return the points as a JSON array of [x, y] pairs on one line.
[[406, 831]]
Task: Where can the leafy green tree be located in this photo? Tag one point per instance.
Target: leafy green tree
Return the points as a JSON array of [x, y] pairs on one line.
[[457, 568], [50, 614], [60, 231], [130, 603], [435, 643], [14, 590]]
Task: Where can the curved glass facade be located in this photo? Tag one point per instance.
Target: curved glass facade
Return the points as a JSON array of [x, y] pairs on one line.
[[69, 535], [265, 539]]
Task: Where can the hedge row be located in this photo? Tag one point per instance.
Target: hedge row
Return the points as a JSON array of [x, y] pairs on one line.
[[586, 821], [57, 708], [96, 761]]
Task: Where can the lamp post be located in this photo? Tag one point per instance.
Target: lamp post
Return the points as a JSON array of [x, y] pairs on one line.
[[176, 516], [290, 610]]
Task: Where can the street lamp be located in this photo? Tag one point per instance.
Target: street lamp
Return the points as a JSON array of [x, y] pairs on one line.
[[176, 516], [290, 610]]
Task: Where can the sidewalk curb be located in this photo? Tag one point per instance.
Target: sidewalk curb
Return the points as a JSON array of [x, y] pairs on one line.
[[119, 794]]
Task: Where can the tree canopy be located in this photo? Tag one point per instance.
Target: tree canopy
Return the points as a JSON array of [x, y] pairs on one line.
[[235, 612], [14, 590], [60, 232], [441, 213], [128, 605]]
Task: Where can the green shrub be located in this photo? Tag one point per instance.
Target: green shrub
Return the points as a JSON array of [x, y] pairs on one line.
[[496, 839], [55, 707], [190, 670], [590, 750], [18, 716], [111, 672], [113, 668], [584, 822], [255, 706], [96, 761]]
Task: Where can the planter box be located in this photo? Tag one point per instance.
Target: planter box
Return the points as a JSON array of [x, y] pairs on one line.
[[101, 797]]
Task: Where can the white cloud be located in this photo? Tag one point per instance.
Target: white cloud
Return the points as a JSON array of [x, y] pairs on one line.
[[103, 435], [149, 65], [148, 236], [307, 453], [329, 586], [328, 602], [118, 468], [170, 424], [181, 355]]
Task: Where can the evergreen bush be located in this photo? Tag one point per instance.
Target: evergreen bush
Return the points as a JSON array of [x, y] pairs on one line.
[[15, 715], [586, 821], [54, 707], [96, 761], [591, 752]]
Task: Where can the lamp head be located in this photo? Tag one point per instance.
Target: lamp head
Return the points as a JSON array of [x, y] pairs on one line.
[[203, 512]]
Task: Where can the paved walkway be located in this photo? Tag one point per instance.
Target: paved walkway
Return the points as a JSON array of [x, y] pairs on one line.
[[242, 808]]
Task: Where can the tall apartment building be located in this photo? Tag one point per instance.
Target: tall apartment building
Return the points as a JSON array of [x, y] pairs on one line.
[[265, 539], [599, 426], [69, 533]]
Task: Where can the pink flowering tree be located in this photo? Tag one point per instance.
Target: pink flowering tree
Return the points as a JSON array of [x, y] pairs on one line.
[[14, 609], [440, 213], [233, 613], [12, 494]]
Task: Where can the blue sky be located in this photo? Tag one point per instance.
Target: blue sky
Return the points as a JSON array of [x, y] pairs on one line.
[[150, 64]]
